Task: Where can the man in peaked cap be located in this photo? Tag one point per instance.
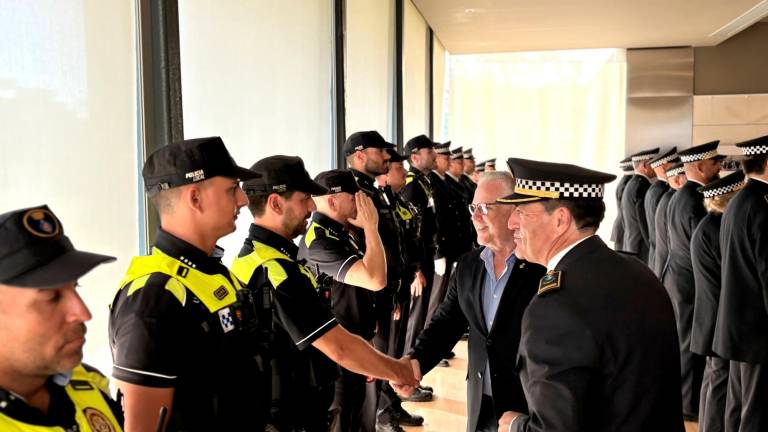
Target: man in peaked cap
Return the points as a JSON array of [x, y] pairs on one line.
[[592, 357], [490, 165], [742, 319], [469, 169], [281, 202], [617, 232], [455, 173], [43, 384], [685, 211], [676, 179], [705, 257], [653, 196], [636, 238], [162, 355]]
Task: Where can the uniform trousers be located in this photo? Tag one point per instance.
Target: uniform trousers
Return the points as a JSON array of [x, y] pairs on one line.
[[751, 390], [714, 389]]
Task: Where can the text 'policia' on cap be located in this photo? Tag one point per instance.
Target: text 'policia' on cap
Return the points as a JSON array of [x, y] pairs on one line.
[[535, 181], [338, 181], [191, 161], [359, 141]]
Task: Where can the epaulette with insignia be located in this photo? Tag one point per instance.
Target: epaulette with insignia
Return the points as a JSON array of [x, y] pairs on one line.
[[550, 281]]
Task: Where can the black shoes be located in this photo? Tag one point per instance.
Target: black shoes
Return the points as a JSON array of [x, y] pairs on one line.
[[418, 395], [407, 419]]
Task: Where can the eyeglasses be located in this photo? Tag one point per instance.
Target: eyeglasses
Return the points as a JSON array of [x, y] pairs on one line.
[[483, 207]]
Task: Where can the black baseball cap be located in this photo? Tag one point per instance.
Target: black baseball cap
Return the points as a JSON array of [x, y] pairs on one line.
[[363, 140], [417, 143], [35, 253], [191, 161], [282, 174], [394, 156], [337, 181]]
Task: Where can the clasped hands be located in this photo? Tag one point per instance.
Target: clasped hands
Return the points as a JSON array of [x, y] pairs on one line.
[[410, 379]]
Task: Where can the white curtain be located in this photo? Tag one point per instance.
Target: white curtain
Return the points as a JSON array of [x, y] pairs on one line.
[[558, 106]]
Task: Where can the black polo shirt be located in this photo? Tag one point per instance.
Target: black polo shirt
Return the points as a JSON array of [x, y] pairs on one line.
[[331, 249], [158, 340]]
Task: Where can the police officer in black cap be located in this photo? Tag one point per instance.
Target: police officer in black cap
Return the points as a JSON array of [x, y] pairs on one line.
[[353, 267], [598, 350], [455, 173], [742, 316], [705, 257], [686, 209], [636, 238], [43, 384], [469, 169], [281, 201], [676, 179], [617, 232], [178, 325], [659, 165]]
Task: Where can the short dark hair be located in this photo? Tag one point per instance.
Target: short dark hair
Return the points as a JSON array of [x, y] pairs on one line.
[[587, 213], [258, 203], [754, 164]]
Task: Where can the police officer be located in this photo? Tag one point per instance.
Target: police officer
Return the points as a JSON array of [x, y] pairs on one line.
[[741, 317], [490, 165], [43, 384], [686, 209], [455, 173], [617, 232], [178, 325], [592, 357], [280, 202], [469, 169], [705, 257], [676, 179], [636, 239], [653, 196]]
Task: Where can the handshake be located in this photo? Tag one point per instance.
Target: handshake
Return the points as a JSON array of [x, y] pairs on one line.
[[407, 376]]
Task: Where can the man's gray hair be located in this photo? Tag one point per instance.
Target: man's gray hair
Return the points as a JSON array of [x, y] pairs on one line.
[[500, 176]]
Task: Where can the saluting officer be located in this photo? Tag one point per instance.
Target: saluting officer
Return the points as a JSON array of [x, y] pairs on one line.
[[617, 232], [653, 196], [175, 327], [636, 239], [686, 209], [676, 179], [598, 350], [742, 317], [705, 257], [43, 384], [280, 202]]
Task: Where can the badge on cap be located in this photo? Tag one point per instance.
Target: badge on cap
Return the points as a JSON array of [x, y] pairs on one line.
[[41, 222], [550, 281]]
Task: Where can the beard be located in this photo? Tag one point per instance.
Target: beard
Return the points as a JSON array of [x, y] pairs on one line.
[[376, 169]]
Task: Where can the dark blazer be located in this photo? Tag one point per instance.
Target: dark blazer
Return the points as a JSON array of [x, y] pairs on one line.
[[661, 254], [633, 209], [617, 233], [742, 320], [498, 345], [599, 353], [705, 257], [652, 198]]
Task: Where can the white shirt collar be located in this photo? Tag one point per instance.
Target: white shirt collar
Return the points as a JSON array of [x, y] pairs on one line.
[[696, 181], [760, 180], [555, 260], [452, 176], [438, 174]]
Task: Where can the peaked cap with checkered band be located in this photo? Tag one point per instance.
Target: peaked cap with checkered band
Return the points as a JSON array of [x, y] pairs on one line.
[[665, 158], [724, 185], [535, 181], [757, 146], [645, 155], [701, 152]]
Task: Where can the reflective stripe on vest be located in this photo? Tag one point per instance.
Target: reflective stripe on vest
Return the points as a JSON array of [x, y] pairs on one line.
[[214, 291], [267, 256], [92, 413]]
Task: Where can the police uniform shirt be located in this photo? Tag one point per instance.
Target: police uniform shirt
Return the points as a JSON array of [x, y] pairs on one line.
[[742, 320], [617, 233], [652, 198], [705, 257], [661, 253], [633, 210], [419, 193], [329, 248], [162, 335], [61, 410]]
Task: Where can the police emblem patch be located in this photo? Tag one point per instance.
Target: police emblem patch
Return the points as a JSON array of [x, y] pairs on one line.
[[220, 293], [549, 282], [226, 319], [41, 223], [97, 420]]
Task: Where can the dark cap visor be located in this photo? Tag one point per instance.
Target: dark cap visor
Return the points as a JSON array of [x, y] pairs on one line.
[[516, 198], [245, 174], [65, 268]]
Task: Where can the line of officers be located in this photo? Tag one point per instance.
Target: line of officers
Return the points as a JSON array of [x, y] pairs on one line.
[[190, 337], [705, 238]]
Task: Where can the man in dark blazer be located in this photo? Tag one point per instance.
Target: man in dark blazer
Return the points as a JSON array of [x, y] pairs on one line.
[[686, 209], [598, 349], [488, 292], [617, 233], [636, 239], [660, 165]]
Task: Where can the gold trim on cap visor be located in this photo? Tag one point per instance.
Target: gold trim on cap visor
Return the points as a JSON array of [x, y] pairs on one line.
[[517, 200], [537, 193]]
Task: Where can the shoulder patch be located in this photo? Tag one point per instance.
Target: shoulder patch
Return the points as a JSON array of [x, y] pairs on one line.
[[177, 289], [550, 282]]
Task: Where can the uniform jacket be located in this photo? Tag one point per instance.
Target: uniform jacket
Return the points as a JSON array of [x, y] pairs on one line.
[[617, 233], [705, 257], [652, 198], [454, 236], [661, 254], [463, 307], [418, 192], [636, 238], [742, 320], [600, 352]]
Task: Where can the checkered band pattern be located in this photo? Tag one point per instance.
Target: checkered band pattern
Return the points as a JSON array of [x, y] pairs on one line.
[[643, 157], [754, 150], [698, 156], [722, 190], [625, 166], [566, 190], [663, 160], [675, 171]]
